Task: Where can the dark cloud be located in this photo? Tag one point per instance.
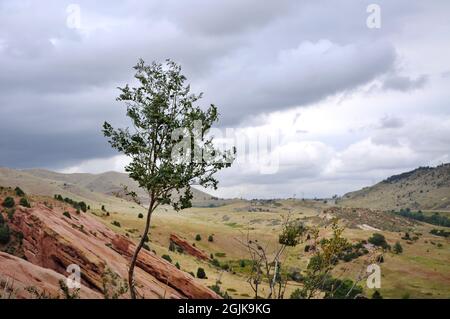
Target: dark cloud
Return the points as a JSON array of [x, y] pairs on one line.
[[57, 84]]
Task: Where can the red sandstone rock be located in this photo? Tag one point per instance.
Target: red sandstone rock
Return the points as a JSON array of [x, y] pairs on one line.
[[188, 248], [53, 241], [18, 275]]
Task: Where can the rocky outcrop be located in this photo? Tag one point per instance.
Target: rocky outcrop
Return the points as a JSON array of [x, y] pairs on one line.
[[54, 241], [188, 248], [21, 279]]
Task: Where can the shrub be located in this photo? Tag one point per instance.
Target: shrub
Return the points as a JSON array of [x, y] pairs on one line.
[[141, 215], [215, 262], [242, 263], [192, 274], [24, 202], [19, 192], [378, 240], [103, 208], [172, 246], [145, 246], [67, 214], [10, 213], [9, 202], [167, 257], [177, 265], [210, 238], [201, 273], [116, 223], [83, 207], [440, 232], [398, 249], [4, 234], [297, 294], [198, 237], [225, 266], [377, 295]]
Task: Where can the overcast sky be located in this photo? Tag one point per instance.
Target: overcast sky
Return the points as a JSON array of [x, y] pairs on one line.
[[349, 105]]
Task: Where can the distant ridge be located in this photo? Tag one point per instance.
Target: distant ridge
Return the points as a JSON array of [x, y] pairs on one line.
[[424, 188], [95, 189]]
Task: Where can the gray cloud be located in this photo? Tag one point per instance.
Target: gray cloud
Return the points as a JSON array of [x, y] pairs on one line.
[[57, 85]]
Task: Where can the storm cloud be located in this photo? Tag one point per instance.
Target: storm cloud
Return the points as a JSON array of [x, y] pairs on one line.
[[253, 60]]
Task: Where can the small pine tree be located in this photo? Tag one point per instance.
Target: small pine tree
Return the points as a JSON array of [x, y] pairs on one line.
[[167, 257], [24, 202], [201, 273], [140, 215], [198, 237], [9, 202], [19, 192], [210, 238], [398, 249]]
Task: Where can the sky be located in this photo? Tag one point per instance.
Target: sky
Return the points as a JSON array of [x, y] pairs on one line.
[[348, 92]]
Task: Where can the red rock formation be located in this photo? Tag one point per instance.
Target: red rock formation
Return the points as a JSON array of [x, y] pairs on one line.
[[18, 275], [188, 248], [54, 241]]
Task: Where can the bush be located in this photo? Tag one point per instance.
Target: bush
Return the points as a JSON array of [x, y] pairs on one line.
[[167, 257], [10, 213], [4, 234], [215, 262], [378, 240], [177, 265], [19, 192], [116, 223], [82, 206], [24, 202], [103, 208], [9, 202], [67, 214], [242, 263], [398, 249], [201, 273], [297, 294], [172, 246], [198, 237], [225, 266], [210, 238], [377, 295], [141, 215]]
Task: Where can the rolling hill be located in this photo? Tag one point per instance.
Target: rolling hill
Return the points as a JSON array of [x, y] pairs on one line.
[[95, 189], [425, 188]]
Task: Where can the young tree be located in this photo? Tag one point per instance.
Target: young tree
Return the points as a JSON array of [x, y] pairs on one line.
[[167, 144], [398, 249]]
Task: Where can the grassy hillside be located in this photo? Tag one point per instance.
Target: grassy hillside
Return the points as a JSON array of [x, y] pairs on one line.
[[425, 188], [95, 189]]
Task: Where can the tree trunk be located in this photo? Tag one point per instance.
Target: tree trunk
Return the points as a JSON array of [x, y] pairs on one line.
[[138, 249]]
